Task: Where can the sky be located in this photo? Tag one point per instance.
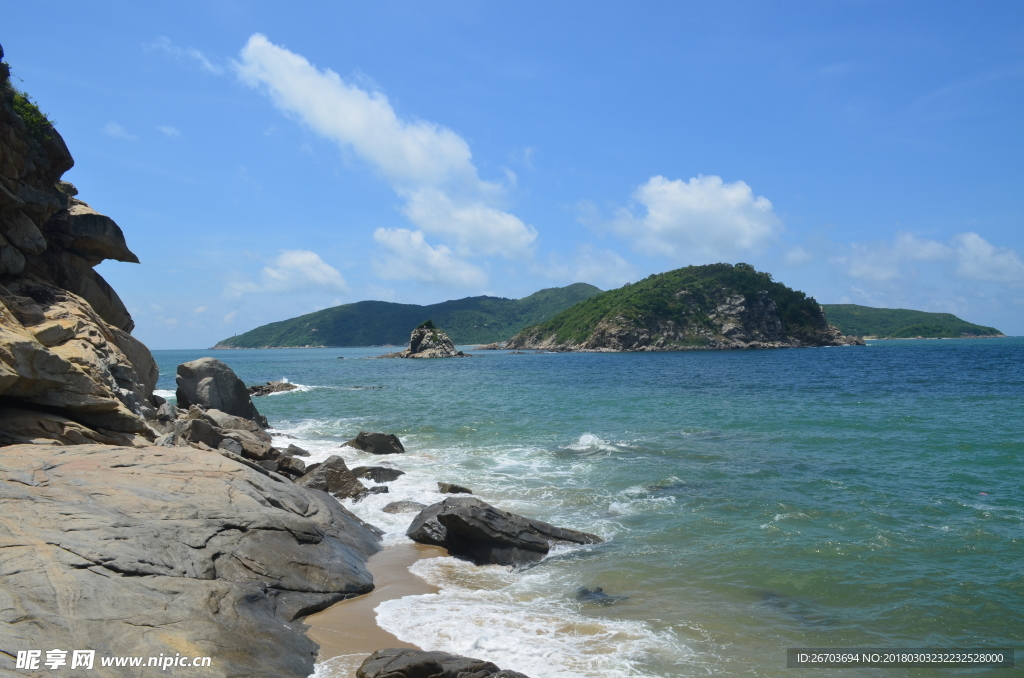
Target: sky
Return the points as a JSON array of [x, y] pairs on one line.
[[267, 160]]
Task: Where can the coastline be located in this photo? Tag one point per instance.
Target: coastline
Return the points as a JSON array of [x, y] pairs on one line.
[[347, 632]]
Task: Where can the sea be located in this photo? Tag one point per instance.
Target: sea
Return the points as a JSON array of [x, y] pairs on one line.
[[750, 501]]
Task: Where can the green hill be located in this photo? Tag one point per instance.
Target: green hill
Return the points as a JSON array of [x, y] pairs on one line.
[[473, 320], [901, 323], [719, 306]]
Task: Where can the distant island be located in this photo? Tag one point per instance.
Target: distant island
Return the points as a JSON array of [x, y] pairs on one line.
[[473, 320], [901, 323], [718, 306]]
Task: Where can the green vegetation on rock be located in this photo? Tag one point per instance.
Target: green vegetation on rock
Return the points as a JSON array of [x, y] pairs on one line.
[[685, 297], [901, 323], [473, 320]]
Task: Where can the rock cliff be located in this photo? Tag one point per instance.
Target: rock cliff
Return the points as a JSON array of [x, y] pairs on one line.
[[130, 526], [700, 307]]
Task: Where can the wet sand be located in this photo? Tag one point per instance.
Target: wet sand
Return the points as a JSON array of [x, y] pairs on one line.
[[350, 627]]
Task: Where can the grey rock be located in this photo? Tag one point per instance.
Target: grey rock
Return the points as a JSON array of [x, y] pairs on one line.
[[200, 431], [170, 548], [378, 474], [404, 507], [295, 451], [477, 531], [377, 443], [167, 412], [597, 595], [211, 384], [271, 387], [230, 422], [93, 236], [292, 466], [452, 488], [427, 341], [333, 476], [400, 662], [23, 233], [232, 446]]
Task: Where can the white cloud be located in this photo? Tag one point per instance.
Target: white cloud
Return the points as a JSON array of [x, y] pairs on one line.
[[797, 256], [428, 165], [167, 130], [475, 227], [889, 261], [230, 317], [975, 258], [165, 45], [600, 267], [292, 271], [700, 220], [112, 129], [411, 257], [979, 260], [201, 309]]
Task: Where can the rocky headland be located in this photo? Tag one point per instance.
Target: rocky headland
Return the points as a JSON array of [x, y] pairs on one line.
[[714, 307], [428, 341]]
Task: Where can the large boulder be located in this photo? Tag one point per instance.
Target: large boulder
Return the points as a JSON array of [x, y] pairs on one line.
[[474, 530], [400, 662], [333, 476], [376, 443], [211, 384], [138, 552]]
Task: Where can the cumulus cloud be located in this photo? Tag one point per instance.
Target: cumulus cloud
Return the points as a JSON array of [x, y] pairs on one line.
[[165, 45], [889, 261], [112, 129], [973, 257], [428, 165], [411, 257], [703, 219], [292, 271], [979, 260]]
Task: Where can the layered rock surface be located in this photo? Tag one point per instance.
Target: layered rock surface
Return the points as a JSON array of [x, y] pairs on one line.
[[137, 552], [70, 371], [400, 662]]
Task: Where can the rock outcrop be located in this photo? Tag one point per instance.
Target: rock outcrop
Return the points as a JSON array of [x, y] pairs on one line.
[[711, 307], [334, 477], [271, 387], [138, 552], [376, 443], [211, 384], [477, 531], [70, 371], [378, 474], [400, 662], [427, 341]]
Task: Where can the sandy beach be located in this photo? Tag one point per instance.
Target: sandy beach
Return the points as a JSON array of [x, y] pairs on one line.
[[347, 632]]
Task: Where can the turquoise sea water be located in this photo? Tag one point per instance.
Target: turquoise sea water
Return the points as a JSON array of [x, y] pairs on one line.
[[751, 500]]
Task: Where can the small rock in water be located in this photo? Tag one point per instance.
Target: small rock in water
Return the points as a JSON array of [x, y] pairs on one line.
[[400, 662], [597, 595], [452, 488], [378, 474], [271, 387], [404, 507], [295, 451], [377, 443]]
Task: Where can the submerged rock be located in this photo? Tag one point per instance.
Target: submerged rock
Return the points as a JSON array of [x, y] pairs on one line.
[[428, 341], [598, 596], [378, 474], [404, 507], [376, 443], [400, 662], [211, 384], [139, 552], [271, 387], [452, 488], [477, 531]]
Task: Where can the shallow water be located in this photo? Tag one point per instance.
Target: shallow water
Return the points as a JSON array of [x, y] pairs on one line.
[[751, 501]]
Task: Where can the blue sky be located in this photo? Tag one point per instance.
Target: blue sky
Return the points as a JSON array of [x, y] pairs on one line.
[[266, 160]]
